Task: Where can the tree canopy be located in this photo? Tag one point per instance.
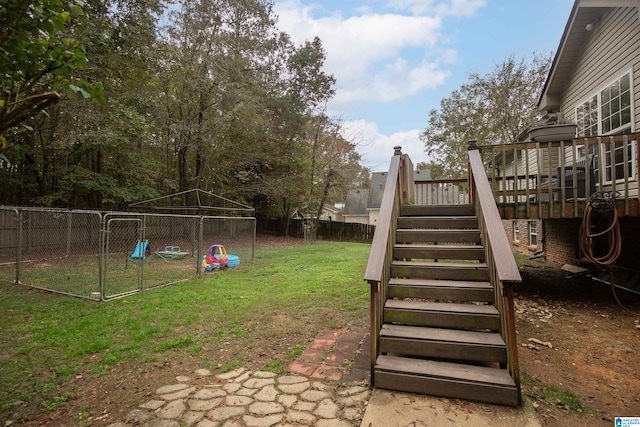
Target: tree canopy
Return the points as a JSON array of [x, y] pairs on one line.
[[206, 94], [496, 106]]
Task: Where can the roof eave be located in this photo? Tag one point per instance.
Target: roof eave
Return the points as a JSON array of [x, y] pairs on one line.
[[543, 101], [551, 101]]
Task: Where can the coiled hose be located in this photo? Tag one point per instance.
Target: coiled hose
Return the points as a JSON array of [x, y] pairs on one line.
[[603, 203]]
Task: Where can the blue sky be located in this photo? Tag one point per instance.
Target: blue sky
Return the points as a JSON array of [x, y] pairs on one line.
[[394, 60]]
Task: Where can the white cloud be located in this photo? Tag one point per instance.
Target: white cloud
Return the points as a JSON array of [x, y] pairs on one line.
[[397, 81], [440, 8], [377, 149], [383, 51], [465, 7], [368, 53]]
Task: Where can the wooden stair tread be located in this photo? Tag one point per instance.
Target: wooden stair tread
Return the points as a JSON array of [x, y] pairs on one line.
[[442, 210], [445, 370], [438, 233], [459, 284], [441, 335], [439, 217], [423, 246], [442, 265], [442, 307]]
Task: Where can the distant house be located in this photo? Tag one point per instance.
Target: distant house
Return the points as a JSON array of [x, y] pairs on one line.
[[363, 205], [355, 206], [332, 212], [378, 181], [594, 83]]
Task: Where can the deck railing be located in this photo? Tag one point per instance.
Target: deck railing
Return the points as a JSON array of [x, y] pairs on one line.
[[555, 179], [442, 192], [503, 271], [399, 190]]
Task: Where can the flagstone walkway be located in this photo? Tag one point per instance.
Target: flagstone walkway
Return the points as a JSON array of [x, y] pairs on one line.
[[326, 386]]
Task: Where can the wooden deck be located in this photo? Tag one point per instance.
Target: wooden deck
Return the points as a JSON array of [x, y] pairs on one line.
[[545, 210], [533, 180]]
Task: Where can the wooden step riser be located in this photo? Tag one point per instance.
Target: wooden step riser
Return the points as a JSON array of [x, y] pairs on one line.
[[442, 253], [442, 294], [443, 350], [486, 393], [444, 210], [440, 273], [433, 319], [437, 236], [449, 223]]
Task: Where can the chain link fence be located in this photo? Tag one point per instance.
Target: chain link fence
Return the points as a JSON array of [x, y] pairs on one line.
[[101, 256]]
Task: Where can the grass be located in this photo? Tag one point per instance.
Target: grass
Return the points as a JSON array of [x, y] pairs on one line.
[[524, 260], [285, 298], [79, 274], [553, 396]]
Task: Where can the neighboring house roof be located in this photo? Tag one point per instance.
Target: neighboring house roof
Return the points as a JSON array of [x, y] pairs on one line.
[[378, 181], [422, 174], [356, 202], [584, 15], [359, 202], [331, 208]]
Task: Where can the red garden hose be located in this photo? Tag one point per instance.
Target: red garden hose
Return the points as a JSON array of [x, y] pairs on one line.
[[603, 203]]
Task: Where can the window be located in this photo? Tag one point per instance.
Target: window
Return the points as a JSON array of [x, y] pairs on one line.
[[616, 105], [516, 232], [608, 111], [533, 233], [587, 117], [614, 166]]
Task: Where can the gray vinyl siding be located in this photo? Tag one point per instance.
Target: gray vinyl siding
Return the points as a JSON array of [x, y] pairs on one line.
[[547, 163], [612, 50]]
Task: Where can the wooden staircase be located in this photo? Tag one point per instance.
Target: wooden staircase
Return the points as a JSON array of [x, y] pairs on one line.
[[440, 329]]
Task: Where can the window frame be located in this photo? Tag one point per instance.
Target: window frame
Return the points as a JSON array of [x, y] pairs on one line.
[[608, 168], [534, 233], [603, 153], [590, 102], [516, 231], [602, 103]]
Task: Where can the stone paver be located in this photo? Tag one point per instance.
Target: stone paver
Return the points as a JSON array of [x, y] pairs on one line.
[[314, 392], [243, 398], [303, 397]]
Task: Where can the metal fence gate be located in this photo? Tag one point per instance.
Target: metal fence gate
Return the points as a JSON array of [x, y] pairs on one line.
[[101, 256]]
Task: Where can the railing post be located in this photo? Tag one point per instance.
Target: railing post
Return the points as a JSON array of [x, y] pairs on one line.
[[472, 144]]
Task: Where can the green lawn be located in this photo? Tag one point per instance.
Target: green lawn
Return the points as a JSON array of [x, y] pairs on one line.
[[288, 295]]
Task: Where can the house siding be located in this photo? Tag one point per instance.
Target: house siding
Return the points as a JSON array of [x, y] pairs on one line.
[[612, 50], [356, 219]]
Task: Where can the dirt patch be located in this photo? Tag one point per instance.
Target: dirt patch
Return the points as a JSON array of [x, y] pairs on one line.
[[269, 241], [578, 348]]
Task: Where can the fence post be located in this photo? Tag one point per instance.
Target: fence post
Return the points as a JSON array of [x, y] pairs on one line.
[[199, 249], [19, 245]]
